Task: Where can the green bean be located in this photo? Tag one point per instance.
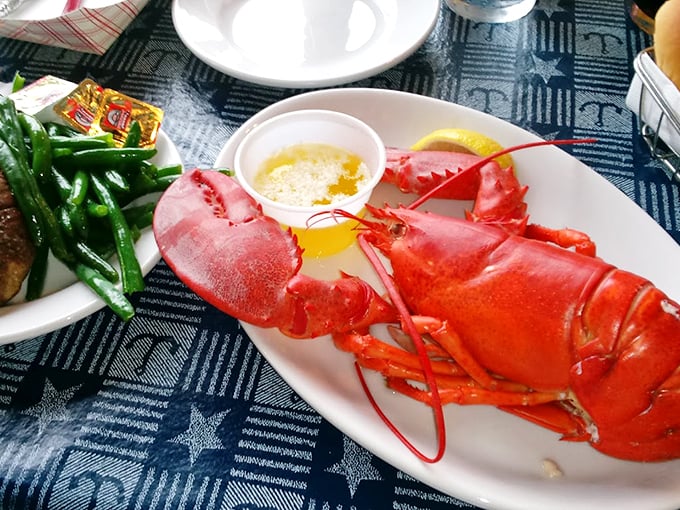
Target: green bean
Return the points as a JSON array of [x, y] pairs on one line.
[[18, 82], [41, 150], [135, 232], [74, 202], [131, 271], [161, 183], [116, 181], [110, 157], [54, 129], [49, 221], [63, 185], [164, 171], [36, 277], [88, 256], [61, 153], [143, 184], [78, 188], [134, 135], [18, 177], [82, 142], [147, 168], [42, 223], [78, 216], [96, 210], [51, 226], [106, 290], [65, 222], [140, 216], [10, 129], [89, 207]]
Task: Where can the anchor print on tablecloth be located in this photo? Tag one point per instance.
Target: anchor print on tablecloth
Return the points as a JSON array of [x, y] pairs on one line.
[[155, 342], [99, 484], [605, 41], [600, 109]]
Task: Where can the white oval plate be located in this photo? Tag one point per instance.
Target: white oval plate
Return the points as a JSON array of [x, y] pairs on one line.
[[66, 300], [303, 43], [493, 459]]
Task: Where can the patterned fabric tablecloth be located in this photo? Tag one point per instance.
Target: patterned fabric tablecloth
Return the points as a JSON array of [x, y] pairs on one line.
[[177, 409]]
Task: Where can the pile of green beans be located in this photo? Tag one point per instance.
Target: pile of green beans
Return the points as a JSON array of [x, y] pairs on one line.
[[79, 196]]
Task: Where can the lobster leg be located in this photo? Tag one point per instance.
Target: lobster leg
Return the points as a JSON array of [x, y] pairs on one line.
[[470, 394], [553, 416], [455, 386], [566, 238], [452, 343], [391, 361], [460, 379]]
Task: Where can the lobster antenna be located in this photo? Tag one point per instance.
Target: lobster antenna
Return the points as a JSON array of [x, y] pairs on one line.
[[425, 197], [430, 380]]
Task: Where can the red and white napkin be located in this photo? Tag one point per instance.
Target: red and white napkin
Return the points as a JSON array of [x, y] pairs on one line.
[[90, 26]]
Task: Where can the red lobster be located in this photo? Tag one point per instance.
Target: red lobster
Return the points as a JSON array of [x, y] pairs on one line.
[[511, 317]]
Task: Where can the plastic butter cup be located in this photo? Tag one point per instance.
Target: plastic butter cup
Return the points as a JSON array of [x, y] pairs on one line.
[[319, 234]]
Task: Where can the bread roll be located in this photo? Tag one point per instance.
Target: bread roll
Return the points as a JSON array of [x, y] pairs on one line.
[[667, 40]]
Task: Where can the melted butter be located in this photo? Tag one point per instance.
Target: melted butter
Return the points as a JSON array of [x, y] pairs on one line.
[[311, 174], [322, 242]]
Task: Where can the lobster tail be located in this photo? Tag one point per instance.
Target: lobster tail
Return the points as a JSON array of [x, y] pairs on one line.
[[628, 379]]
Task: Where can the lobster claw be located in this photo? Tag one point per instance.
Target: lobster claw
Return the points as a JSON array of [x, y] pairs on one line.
[[421, 171], [215, 238]]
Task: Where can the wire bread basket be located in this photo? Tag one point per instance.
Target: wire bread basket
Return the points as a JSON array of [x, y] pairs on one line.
[[652, 97]]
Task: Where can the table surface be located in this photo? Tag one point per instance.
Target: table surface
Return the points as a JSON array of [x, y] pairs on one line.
[[78, 430]]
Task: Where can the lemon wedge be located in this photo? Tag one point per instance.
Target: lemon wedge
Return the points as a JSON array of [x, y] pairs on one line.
[[462, 140]]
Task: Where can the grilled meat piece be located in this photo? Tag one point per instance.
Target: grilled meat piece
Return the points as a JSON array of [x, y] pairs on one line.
[[16, 248]]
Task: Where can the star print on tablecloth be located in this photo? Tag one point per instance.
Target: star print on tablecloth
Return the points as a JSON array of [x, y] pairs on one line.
[[549, 7], [355, 465], [201, 434], [546, 69], [52, 405]]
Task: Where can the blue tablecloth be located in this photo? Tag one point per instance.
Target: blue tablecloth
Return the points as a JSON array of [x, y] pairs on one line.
[[108, 415]]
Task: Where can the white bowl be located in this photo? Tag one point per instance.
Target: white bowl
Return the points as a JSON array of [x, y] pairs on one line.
[[302, 127]]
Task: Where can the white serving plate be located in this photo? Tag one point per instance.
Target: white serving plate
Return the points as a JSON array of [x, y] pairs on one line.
[[66, 300], [303, 43], [492, 460]]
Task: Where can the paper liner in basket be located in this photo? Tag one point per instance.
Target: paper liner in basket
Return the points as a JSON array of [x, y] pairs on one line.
[[91, 29], [641, 100]]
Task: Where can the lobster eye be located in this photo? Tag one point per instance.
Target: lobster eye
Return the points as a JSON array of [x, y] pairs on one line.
[[398, 229]]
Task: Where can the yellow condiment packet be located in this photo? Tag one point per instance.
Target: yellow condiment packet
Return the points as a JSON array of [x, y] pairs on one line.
[[93, 110], [80, 107], [116, 112]]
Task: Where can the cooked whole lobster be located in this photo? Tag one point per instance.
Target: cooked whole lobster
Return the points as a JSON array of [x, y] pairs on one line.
[[490, 309]]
